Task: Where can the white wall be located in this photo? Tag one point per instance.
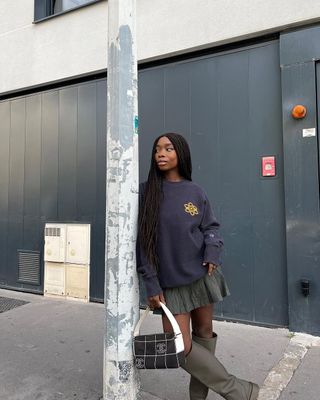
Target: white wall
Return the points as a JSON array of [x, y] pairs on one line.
[[179, 25], [76, 43], [64, 46]]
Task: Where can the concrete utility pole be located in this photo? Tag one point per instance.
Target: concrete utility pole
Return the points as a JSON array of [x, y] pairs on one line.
[[121, 284]]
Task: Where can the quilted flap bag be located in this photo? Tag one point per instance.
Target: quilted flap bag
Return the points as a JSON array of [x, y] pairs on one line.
[[158, 350]]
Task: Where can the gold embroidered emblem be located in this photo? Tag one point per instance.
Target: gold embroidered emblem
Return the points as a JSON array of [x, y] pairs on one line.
[[191, 209]]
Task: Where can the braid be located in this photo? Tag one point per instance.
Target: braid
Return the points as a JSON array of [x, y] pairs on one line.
[[149, 212], [148, 217]]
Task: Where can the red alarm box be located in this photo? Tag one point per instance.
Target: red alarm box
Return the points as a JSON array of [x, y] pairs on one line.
[[269, 166]]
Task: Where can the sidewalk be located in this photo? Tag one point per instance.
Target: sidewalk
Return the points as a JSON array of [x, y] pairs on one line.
[[52, 349]]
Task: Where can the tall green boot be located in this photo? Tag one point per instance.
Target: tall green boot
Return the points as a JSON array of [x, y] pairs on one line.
[[197, 390], [204, 366]]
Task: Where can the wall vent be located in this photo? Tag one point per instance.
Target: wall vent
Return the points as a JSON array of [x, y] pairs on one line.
[[29, 267], [53, 232]]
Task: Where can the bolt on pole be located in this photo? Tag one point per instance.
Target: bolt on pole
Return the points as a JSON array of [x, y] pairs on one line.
[[120, 380]]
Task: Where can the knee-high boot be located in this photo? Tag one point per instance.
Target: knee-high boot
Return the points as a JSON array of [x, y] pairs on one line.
[[204, 366], [197, 390]]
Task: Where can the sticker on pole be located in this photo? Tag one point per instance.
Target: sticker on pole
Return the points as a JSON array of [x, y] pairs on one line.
[[136, 124]]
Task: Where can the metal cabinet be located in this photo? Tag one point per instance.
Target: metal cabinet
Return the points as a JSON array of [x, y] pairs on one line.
[[67, 260]]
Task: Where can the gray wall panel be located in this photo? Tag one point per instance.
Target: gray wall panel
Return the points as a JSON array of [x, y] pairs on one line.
[[151, 87], [301, 165], [204, 106], [87, 178], [16, 187], [300, 45], [98, 228], [49, 156], [32, 176], [17, 160], [32, 156], [234, 139], [177, 99], [86, 152], [4, 185], [267, 197], [68, 125], [233, 130], [101, 123]]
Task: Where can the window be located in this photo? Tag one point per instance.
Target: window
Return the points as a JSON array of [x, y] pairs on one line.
[[64, 5], [48, 8]]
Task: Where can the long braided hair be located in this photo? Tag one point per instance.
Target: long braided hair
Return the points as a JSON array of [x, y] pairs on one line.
[[149, 211]]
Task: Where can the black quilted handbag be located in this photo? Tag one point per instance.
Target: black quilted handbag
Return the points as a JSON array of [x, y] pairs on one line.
[[158, 350]]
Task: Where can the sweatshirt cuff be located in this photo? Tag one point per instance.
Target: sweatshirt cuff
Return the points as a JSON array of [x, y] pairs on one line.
[[152, 285], [212, 255]]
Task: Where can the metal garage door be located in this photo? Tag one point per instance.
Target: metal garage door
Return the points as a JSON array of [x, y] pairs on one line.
[[228, 105], [52, 169]]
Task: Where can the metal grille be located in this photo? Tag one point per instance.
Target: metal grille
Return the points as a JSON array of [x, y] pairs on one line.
[[29, 267], [52, 232], [7, 304]]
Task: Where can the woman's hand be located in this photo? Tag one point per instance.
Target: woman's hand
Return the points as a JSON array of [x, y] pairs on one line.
[[154, 301], [211, 267]]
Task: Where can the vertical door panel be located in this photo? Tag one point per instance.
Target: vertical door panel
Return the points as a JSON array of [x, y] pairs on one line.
[[86, 152], [4, 185], [32, 173], [204, 104], [232, 74], [68, 124], [151, 114], [16, 187], [98, 227], [49, 156], [234, 134], [177, 99], [267, 205]]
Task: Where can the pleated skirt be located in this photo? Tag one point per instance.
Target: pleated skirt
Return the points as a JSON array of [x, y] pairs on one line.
[[206, 290]]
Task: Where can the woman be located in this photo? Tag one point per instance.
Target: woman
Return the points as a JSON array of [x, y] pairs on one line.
[[178, 258]]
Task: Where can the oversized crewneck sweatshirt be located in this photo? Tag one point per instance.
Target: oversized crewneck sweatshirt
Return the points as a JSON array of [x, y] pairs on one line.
[[188, 236]]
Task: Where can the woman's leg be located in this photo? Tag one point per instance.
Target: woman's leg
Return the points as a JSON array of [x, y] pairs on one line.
[[202, 364], [184, 324], [201, 320]]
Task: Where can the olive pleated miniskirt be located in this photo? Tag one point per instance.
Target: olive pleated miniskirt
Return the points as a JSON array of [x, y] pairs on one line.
[[204, 291]]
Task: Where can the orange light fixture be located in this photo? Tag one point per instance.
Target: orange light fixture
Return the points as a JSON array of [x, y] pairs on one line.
[[299, 111]]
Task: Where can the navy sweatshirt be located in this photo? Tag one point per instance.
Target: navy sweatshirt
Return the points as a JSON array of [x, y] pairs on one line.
[[187, 236]]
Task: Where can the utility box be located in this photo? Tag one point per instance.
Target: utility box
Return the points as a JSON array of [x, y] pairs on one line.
[[78, 244], [54, 279], [67, 261], [77, 281], [55, 242]]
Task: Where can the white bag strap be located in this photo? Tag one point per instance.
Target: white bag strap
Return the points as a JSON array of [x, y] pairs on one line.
[[168, 313]]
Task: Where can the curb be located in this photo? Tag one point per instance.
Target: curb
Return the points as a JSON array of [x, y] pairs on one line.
[[282, 373]]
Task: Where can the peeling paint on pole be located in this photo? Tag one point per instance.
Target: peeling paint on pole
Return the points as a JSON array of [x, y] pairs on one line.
[[121, 284]]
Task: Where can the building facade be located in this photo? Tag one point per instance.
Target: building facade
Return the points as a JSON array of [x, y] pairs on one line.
[[228, 78]]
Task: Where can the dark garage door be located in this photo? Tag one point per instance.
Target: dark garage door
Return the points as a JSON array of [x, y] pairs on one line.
[[52, 167], [228, 105]]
